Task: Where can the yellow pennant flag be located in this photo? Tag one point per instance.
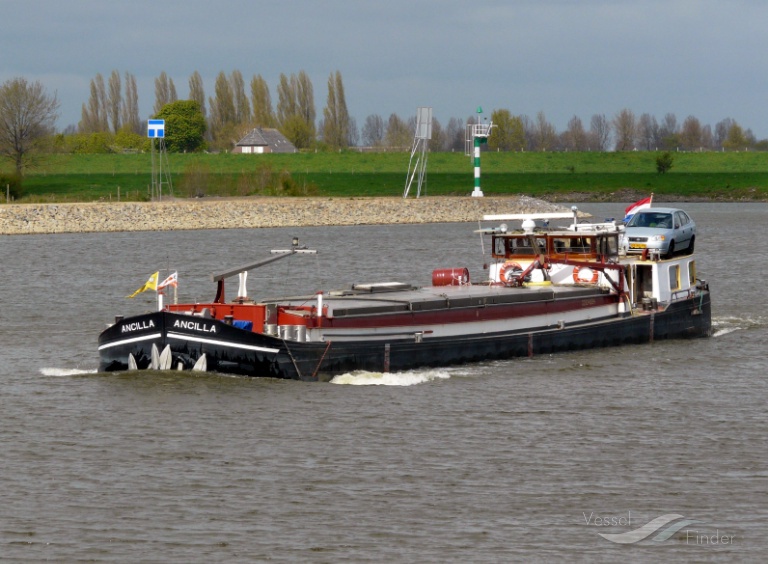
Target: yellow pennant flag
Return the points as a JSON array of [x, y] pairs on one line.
[[151, 284]]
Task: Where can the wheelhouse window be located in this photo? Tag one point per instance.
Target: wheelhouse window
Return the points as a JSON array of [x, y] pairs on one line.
[[499, 247], [674, 277], [519, 246], [563, 245], [692, 273], [506, 246], [608, 245], [572, 245]]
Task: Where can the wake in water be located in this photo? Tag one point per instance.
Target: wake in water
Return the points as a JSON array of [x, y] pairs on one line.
[[409, 378], [724, 325], [357, 378], [66, 371]]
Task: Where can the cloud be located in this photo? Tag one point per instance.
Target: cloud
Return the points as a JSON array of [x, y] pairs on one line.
[[562, 57]]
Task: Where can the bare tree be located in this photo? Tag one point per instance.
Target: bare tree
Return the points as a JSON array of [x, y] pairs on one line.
[[530, 132], [736, 139], [721, 131], [197, 91], [544, 133], [398, 135], [750, 138], [648, 132], [94, 117], [242, 105], [456, 132], [625, 126], [599, 132], [575, 137], [373, 131], [354, 132], [345, 120], [224, 125], [336, 115], [306, 101], [296, 109], [690, 134], [165, 92], [263, 115], [88, 117], [115, 100], [669, 131], [172, 91], [439, 139], [27, 116], [130, 117], [669, 125], [103, 103], [222, 107], [287, 105]]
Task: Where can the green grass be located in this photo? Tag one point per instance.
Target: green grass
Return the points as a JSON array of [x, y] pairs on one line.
[[350, 174]]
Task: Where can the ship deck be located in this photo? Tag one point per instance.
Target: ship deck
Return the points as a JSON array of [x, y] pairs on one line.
[[393, 297]]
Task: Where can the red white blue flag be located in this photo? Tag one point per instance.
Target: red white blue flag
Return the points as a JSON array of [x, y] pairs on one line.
[[632, 209], [172, 280]]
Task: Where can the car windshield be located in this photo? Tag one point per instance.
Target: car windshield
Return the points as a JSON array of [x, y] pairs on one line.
[[651, 219]]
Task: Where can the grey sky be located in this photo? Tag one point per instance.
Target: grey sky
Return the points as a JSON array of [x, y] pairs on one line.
[[562, 57]]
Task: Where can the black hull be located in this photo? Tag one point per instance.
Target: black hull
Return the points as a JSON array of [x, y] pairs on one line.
[[235, 351], [227, 349]]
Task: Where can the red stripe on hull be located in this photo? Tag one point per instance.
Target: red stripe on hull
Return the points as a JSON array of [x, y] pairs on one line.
[[469, 314]]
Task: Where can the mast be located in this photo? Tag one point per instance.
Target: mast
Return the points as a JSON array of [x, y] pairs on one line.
[[243, 270]]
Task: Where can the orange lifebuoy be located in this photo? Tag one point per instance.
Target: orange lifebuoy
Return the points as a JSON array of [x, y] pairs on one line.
[[508, 267], [579, 280]]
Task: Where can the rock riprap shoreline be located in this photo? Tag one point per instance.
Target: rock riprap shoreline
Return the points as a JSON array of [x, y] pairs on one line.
[[171, 215]]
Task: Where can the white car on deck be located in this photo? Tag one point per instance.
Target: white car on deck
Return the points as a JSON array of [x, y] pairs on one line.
[[663, 230]]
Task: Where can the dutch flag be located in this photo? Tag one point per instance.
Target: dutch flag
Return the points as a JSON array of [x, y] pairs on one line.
[[632, 209]]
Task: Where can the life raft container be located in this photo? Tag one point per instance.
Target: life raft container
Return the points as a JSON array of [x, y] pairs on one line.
[[579, 280]]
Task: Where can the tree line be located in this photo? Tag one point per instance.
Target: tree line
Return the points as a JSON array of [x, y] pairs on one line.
[[233, 112], [110, 121]]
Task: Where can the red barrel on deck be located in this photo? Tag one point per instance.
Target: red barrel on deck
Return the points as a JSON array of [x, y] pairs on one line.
[[450, 276]]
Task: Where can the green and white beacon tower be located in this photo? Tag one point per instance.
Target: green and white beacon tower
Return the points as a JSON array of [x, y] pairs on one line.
[[477, 135]]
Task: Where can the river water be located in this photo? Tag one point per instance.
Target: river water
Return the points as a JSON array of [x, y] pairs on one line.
[[522, 460]]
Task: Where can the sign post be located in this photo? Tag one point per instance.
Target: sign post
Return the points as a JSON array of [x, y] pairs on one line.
[[156, 130]]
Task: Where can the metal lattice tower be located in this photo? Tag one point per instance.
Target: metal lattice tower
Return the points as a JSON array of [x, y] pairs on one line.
[[418, 169]]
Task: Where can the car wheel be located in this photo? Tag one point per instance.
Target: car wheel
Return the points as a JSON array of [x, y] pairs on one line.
[[690, 246], [671, 250]]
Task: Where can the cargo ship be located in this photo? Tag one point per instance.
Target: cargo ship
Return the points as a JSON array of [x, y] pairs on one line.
[[545, 289]]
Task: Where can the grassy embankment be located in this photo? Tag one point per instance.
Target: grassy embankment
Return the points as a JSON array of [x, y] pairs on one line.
[[553, 176]]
